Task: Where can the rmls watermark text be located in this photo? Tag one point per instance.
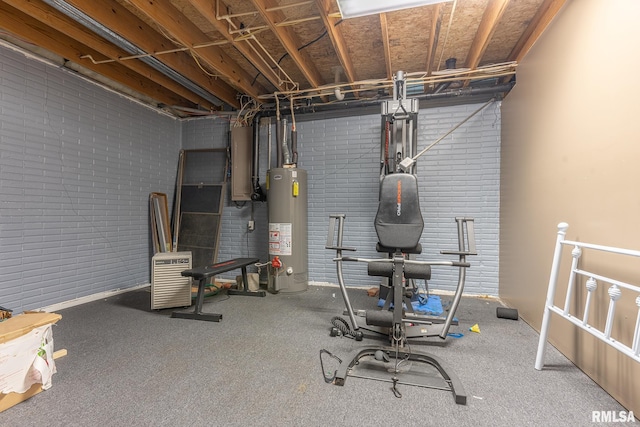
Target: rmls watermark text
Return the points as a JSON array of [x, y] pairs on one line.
[[612, 417]]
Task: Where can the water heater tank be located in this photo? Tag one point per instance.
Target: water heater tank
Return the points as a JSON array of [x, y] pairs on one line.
[[287, 200]]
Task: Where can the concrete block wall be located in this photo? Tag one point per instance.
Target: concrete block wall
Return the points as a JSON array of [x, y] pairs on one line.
[[458, 177], [77, 164]]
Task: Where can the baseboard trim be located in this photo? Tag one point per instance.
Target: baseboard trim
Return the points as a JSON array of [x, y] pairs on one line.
[[100, 295], [90, 298]]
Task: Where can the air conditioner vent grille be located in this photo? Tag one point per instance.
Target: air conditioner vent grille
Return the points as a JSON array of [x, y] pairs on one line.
[[168, 287]]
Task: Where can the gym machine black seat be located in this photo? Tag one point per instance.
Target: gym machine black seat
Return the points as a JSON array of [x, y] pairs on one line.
[[203, 274]]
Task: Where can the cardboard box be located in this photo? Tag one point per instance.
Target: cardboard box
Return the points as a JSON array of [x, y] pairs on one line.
[[26, 356], [252, 278]]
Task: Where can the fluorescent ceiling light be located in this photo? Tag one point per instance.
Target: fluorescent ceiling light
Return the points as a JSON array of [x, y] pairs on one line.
[[355, 8]]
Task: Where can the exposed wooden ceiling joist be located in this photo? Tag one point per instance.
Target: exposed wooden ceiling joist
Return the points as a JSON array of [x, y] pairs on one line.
[[188, 34], [434, 35], [543, 16], [385, 44], [248, 47], [185, 52], [33, 31], [337, 39], [115, 17], [490, 18], [289, 40], [53, 18]]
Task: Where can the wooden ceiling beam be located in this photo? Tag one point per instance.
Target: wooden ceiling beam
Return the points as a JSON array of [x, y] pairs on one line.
[[434, 35], [54, 19], [245, 47], [547, 10], [117, 18], [337, 39], [289, 40], [385, 43], [178, 26], [487, 27], [27, 28]]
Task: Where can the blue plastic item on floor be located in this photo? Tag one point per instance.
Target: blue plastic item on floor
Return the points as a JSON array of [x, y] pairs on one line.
[[432, 306]]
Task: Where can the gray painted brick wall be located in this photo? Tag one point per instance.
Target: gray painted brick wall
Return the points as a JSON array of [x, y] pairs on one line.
[[77, 164], [458, 177]]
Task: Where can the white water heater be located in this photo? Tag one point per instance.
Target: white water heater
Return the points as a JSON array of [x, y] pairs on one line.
[[288, 241]]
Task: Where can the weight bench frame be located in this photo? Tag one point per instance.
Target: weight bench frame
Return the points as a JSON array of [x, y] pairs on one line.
[[202, 274]]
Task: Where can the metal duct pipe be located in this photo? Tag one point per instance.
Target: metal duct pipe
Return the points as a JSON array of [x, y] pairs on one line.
[[285, 146], [450, 64]]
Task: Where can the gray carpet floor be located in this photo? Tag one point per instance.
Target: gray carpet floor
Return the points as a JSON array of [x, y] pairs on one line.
[[260, 366]]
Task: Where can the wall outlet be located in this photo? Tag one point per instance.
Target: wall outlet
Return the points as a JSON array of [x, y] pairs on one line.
[[251, 225]]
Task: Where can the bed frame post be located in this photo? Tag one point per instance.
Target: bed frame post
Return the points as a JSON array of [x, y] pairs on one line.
[[553, 279]]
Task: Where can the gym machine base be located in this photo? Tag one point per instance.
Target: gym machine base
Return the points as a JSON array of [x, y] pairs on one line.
[[377, 362]]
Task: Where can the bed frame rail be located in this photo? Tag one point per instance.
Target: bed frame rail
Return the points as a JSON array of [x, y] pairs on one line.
[[591, 284]]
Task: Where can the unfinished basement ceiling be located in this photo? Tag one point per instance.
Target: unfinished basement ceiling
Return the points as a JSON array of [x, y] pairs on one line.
[[195, 57]]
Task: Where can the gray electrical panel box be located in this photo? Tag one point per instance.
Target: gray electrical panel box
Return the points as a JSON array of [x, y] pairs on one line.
[[241, 163]]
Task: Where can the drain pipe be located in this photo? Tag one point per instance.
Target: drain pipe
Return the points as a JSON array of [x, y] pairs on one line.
[[339, 95], [450, 64], [257, 195], [278, 139], [294, 144]]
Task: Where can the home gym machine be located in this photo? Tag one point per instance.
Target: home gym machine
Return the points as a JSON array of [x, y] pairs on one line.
[[399, 225]]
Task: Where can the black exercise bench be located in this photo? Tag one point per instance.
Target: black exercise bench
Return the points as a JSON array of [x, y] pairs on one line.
[[202, 274]]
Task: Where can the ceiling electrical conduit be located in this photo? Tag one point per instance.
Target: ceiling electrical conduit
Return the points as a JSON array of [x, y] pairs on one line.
[[494, 91], [248, 34], [275, 110], [481, 73]]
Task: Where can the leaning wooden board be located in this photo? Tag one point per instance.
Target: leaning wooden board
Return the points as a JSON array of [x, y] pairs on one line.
[[24, 323]]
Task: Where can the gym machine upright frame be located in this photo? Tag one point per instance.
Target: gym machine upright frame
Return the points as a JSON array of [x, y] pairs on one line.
[[398, 155]]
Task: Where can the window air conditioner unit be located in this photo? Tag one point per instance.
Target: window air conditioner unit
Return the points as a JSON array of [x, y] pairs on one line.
[[168, 287]]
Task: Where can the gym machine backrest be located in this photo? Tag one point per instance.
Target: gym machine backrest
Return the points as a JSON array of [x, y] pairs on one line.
[[399, 222]]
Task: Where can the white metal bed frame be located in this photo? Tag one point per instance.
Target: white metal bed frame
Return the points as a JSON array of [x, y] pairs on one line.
[[591, 284]]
